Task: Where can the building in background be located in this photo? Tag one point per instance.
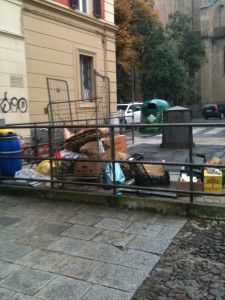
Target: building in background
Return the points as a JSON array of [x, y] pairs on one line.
[[63, 45], [208, 21], [213, 34], [188, 7]]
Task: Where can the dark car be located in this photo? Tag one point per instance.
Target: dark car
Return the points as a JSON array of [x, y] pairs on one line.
[[213, 111]]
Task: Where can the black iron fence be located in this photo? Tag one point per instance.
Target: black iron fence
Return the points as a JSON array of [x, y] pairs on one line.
[[59, 149]]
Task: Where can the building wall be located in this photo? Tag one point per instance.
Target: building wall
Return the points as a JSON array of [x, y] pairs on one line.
[[13, 78], [213, 34], [55, 37], [189, 7], [209, 21]]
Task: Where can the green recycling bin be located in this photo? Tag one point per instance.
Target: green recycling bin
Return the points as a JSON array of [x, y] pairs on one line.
[[152, 113]]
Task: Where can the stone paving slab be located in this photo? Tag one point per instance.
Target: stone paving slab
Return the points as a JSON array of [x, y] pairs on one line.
[[85, 219], [144, 217], [101, 252], [138, 259], [76, 267], [27, 281], [113, 224], [11, 234], [37, 240], [7, 268], [168, 232], [144, 229], [170, 221], [6, 221], [41, 259], [119, 277], [52, 250], [118, 239], [149, 244], [69, 245], [81, 232], [11, 252], [64, 288], [19, 296], [6, 293], [117, 214], [99, 292]]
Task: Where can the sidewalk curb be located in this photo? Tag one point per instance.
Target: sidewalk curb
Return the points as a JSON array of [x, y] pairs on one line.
[[148, 203]]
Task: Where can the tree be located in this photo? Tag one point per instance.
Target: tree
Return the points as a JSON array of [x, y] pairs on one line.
[[164, 76], [171, 61], [191, 49], [192, 53], [135, 20], [177, 26], [166, 61]]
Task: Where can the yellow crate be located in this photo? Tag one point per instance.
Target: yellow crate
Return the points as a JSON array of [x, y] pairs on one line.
[[212, 182], [213, 190]]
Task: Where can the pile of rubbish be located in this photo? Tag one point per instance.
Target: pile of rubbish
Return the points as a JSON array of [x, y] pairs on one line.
[[86, 155]]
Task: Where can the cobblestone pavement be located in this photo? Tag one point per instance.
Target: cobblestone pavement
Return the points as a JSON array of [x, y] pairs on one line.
[[193, 266]]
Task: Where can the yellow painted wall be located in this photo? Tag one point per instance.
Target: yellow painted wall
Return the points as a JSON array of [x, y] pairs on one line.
[[54, 39]]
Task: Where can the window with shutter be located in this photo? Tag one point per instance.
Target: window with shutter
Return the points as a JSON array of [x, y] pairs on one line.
[[86, 71], [98, 8], [74, 4]]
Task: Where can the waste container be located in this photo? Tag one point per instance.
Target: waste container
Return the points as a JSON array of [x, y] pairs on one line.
[[9, 146], [152, 113], [177, 137]]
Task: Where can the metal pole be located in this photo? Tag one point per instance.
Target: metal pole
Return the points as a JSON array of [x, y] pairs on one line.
[[191, 161], [133, 79]]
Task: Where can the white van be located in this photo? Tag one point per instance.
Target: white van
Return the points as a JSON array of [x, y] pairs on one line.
[[130, 112]]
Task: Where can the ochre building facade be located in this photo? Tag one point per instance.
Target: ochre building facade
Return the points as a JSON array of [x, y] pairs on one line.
[[69, 41]]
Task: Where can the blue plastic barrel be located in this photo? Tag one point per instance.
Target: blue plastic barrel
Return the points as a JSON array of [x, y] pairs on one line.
[[9, 146]]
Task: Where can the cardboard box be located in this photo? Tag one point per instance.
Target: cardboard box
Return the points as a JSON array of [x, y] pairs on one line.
[[118, 155], [182, 185], [155, 170], [84, 168], [120, 143], [89, 168], [93, 149]]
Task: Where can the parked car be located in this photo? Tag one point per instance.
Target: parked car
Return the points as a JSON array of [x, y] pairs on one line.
[[130, 112], [213, 111]]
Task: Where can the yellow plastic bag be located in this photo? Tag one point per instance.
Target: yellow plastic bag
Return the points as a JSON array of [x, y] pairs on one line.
[[44, 167]]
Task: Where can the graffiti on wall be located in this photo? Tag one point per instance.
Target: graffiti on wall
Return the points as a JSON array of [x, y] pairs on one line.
[[13, 105]]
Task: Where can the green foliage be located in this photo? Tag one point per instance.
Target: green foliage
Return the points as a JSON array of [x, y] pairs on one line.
[[135, 20], [192, 52], [171, 59], [164, 75], [166, 61], [177, 26], [157, 37], [191, 49]]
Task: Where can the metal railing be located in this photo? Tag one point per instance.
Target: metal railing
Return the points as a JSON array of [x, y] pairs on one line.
[[65, 182]]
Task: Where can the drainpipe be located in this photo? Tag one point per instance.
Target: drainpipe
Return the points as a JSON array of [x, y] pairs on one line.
[[104, 40]]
